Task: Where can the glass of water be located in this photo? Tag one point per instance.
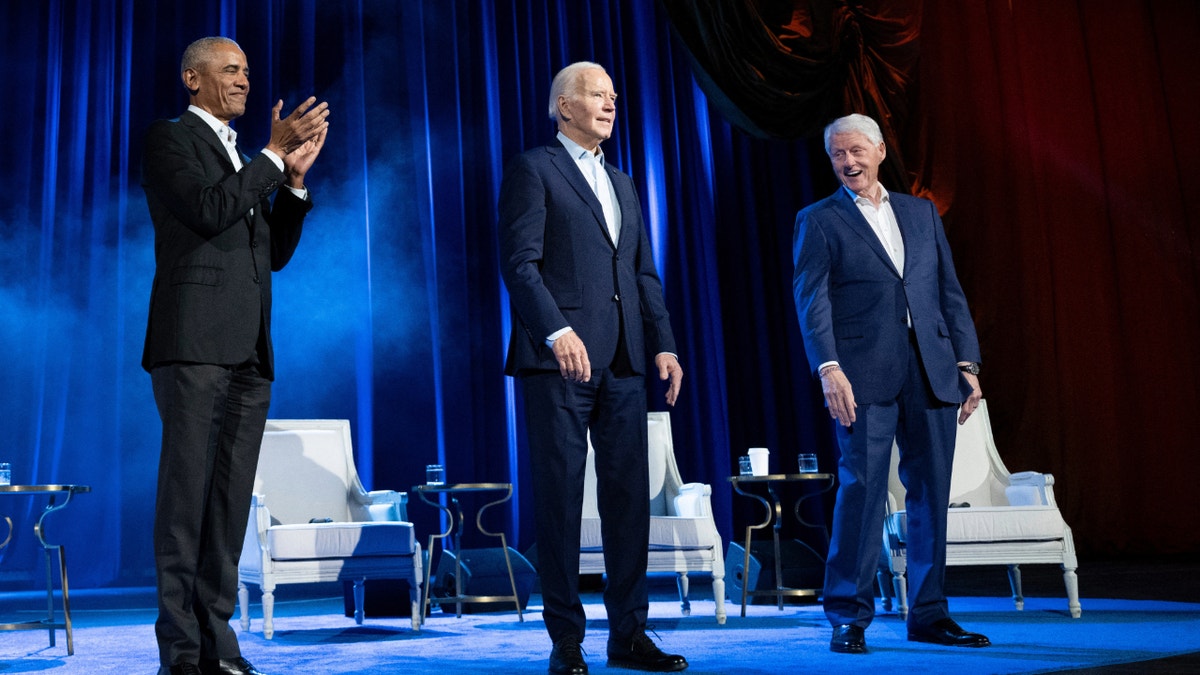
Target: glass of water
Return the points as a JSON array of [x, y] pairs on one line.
[[435, 474]]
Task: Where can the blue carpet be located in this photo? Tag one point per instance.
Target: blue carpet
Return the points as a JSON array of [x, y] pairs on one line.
[[114, 634]]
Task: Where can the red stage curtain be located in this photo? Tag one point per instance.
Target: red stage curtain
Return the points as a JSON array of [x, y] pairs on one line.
[[1053, 137]]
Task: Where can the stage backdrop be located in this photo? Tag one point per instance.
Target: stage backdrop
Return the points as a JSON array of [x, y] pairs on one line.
[[1057, 160]]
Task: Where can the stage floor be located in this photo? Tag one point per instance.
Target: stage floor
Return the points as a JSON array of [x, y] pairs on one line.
[[1137, 617]]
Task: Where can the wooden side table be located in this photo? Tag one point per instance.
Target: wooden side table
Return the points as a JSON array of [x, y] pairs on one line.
[[454, 516], [49, 624], [774, 510]]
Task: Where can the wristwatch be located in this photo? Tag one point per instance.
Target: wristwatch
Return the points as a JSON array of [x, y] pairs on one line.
[[972, 368]]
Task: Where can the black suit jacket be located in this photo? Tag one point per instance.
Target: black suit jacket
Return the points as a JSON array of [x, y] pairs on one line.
[[561, 268], [212, 282]]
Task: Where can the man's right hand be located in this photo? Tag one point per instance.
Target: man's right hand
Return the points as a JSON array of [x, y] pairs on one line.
[[303, 125], [572, 357], [839, 396]]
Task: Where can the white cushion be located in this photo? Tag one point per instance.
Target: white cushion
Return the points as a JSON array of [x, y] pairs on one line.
[[340, 540], [996, 524], [665, 533]]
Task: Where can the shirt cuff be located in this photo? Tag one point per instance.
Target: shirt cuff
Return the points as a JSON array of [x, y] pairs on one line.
[[275, 159], [555, 335]]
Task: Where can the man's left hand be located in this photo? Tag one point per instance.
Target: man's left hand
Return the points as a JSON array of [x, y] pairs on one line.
[[669, 369], [297, 162], [972, 401]]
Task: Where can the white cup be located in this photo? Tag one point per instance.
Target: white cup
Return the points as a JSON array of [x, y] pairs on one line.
[[758, 460]]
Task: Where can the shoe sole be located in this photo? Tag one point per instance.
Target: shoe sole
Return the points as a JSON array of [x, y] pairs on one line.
[[631, 665], [845, 649], [972, 645]]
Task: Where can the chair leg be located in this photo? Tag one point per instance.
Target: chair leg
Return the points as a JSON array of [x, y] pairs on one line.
[[685, 605], [1014, 580], [268, 603], [1072, 582], [885, 588], [244, 606], [359, 600], [900, 585], [414, 599], [718, 587]]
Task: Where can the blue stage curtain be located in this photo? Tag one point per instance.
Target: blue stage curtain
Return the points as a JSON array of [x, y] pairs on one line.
[[392, 313]]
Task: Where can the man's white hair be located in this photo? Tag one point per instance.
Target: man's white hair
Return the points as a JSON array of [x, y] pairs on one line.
[[854, 124], [566, 83], [201, 51]]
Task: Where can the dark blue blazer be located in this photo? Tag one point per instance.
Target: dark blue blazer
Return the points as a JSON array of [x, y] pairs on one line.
[[852, 301], [561, 268]]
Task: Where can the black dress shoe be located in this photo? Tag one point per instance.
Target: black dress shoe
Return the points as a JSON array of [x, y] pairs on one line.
[[946, 632], [640, 653], [567, 658], [180, 669], [848, 639], [238, 666]]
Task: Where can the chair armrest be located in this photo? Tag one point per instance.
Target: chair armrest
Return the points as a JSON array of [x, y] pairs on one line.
[[693, 501], [1031, 478], [260, 516], [387, 505], [1030, 488]]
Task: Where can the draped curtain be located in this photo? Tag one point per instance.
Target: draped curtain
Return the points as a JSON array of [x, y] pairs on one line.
[[1054, 138], [392, 313], [1063, 190]]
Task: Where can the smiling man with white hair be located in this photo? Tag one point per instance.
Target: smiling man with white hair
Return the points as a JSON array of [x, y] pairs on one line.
[[887, 331]]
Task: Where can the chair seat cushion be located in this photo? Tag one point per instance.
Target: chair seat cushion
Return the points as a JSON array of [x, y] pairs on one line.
[[666, 533], [310, 541], [995, 524]]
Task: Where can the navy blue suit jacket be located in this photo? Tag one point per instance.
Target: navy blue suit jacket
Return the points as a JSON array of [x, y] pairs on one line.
[[561, 268], [852, 301]]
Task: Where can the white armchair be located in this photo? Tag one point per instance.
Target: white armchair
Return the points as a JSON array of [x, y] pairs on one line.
[[683, 534], [312, 521], [997, 518]]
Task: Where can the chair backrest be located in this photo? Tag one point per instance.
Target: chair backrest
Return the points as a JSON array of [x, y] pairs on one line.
[[664, 473], [306, 470], [978, 476]]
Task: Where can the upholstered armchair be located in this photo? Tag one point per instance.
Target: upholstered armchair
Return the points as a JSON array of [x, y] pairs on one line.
[[996, 518], [683, 534], [312, 521]]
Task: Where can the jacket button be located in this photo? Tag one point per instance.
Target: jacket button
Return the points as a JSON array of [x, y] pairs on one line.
[[253, 244], [256, 280], [617, 298]]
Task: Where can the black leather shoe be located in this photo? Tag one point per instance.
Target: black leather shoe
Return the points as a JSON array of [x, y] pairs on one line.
[[567, 658], [946, 632], [238, 666], [180, 669], [848, 639], [640, 653]]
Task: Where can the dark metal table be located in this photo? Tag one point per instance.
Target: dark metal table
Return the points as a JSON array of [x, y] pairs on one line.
[[455, 526], [49, 624], [774, 511]]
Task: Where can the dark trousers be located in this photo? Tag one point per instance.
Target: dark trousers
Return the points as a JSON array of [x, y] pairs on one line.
[[924, 430], [558, 415], [213, 419]]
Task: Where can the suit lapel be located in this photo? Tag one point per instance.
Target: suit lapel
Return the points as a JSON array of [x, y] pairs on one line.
[[197, 126], [857, 223], [566, 165], [908, 233]]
